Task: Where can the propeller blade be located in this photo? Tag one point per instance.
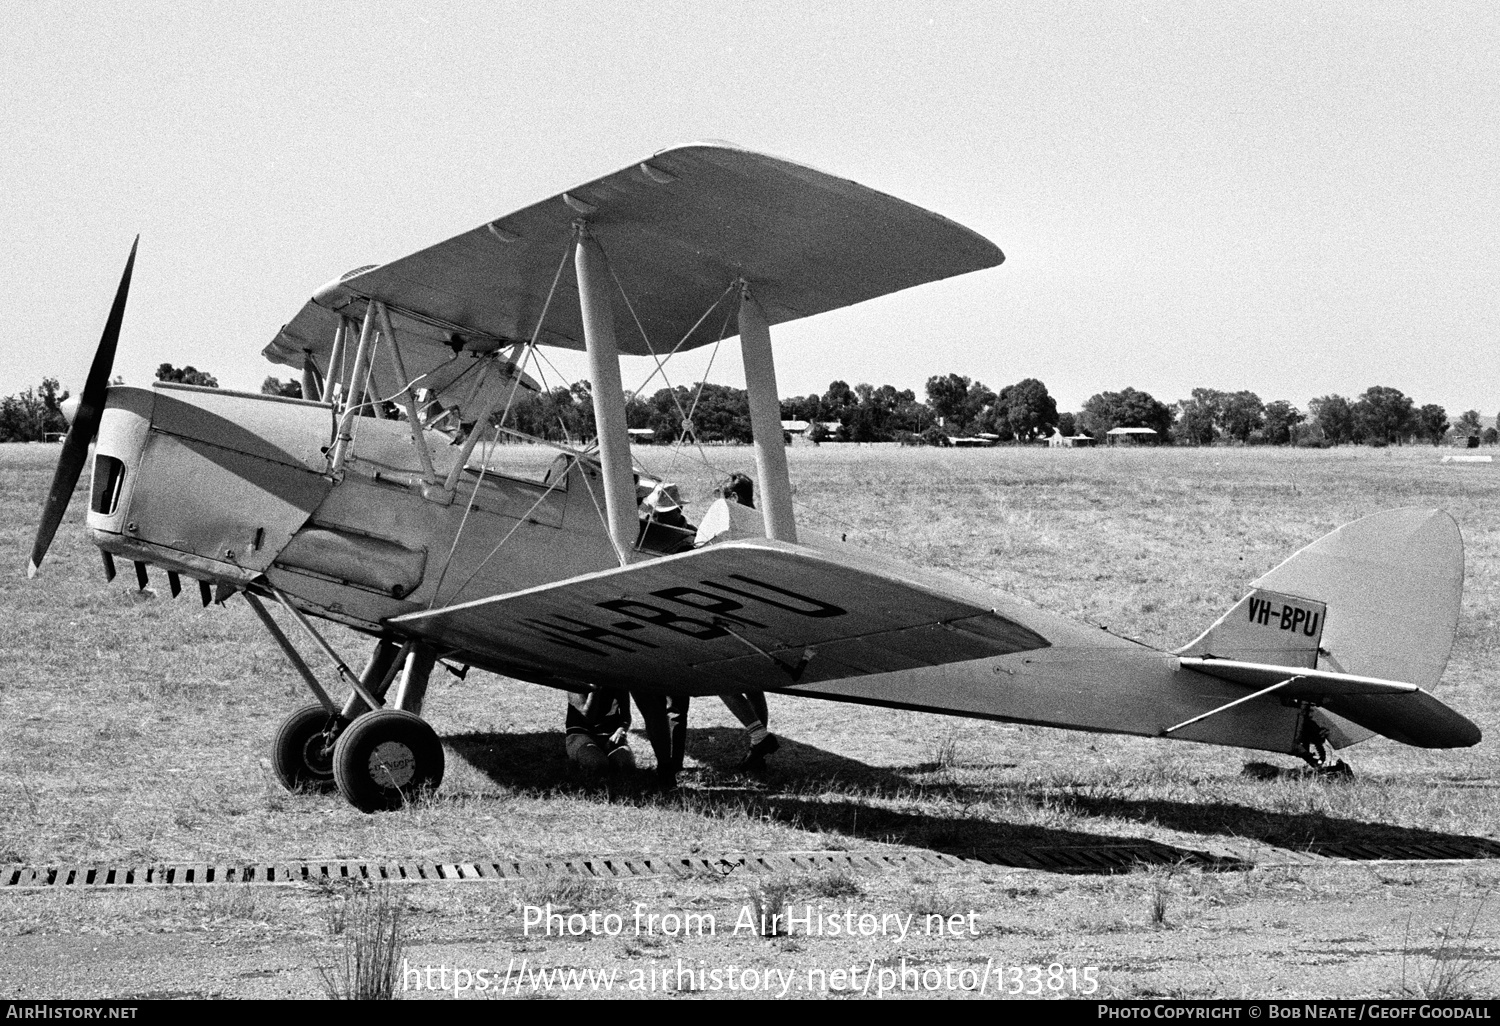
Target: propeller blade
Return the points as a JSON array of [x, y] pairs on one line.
[[85, 423]]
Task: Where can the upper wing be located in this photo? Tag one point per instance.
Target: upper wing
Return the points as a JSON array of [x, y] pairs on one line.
[[734, 616], [678, 229]]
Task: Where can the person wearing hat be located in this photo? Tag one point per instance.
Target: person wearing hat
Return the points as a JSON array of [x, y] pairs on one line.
[[664, 528]]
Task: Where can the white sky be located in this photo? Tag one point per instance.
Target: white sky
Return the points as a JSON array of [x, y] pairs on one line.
[[1294, 198]]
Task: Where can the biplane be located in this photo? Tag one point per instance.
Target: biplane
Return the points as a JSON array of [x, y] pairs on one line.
[[332, 507]]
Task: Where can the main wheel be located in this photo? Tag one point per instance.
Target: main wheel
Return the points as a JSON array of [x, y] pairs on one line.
[[387, 758], [302, 753]]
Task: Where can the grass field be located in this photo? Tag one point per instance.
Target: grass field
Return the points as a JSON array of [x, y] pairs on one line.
[[137, 730]]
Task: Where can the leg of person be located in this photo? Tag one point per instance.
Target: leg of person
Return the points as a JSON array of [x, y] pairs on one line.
[[621, 759], [743, 710], [751, 710], [653, 709], [677, 722], [585, 753]]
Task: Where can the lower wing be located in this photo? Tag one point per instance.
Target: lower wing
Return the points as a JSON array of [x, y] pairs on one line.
[[734, 616]]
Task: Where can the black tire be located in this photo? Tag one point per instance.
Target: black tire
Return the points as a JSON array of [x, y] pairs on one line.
[[302, 753], [387, 758]]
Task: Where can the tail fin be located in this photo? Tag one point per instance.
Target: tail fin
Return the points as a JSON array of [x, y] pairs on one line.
[[1265, 627], [1378, 598], [1392, 583]]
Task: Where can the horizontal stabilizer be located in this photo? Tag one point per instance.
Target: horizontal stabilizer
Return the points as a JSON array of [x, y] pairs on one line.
[[733, 616], [1307, 684], [1401, 712]]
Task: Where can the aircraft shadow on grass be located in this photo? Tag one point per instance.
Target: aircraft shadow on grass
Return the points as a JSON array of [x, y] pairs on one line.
[[535, 761]]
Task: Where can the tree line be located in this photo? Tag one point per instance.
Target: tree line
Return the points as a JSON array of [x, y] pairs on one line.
[[954, 406]]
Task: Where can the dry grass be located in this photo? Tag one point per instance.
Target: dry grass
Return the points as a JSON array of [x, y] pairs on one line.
[[136, 731], [1456, 966], [373, 936], [769, 897]]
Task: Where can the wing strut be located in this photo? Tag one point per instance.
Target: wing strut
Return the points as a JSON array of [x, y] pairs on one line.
[[1230, 705], [407, 397], [355, 393], [765, 420], [608, 392]]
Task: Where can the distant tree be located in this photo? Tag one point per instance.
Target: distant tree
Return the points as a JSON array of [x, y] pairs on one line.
[[1129, 408], [557, 415], [188, 375], [983, 411], [1281, 417], [1335, 417], [1243, 414], [1432, 423], [838, 402], [1491, 436], [32, 415], [863, 424], [1067, 424], [1468, 424], [1382, 415], [723, 414], [286, 389], [904, 412], [1029, 409], [1308, 434], [947, 395], [1198, 417], [807, 407], [966, 406], [638, 414]]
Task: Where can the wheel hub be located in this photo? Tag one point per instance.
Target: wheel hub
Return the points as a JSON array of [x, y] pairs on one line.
[[317, 754], [392, 764]]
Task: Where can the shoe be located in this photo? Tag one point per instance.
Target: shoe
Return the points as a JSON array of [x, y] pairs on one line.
[[666, 781], [756, 760]]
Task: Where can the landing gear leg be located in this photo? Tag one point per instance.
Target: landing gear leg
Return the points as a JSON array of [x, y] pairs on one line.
[[1312, 744], [390, 757], [384, 763]]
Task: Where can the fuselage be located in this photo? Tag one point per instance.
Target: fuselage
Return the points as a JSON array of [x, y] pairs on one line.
[[228, 487], [232, 489]]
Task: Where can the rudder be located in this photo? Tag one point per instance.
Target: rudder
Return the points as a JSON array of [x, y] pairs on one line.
[[1392, 583]]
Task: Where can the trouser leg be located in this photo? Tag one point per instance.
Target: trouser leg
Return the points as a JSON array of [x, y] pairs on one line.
[[677, 722], [750, 709], [744, 710], [586, 753], [665, 718]]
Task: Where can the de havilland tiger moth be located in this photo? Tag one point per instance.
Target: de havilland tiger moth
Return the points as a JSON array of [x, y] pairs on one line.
[[394, 526]]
